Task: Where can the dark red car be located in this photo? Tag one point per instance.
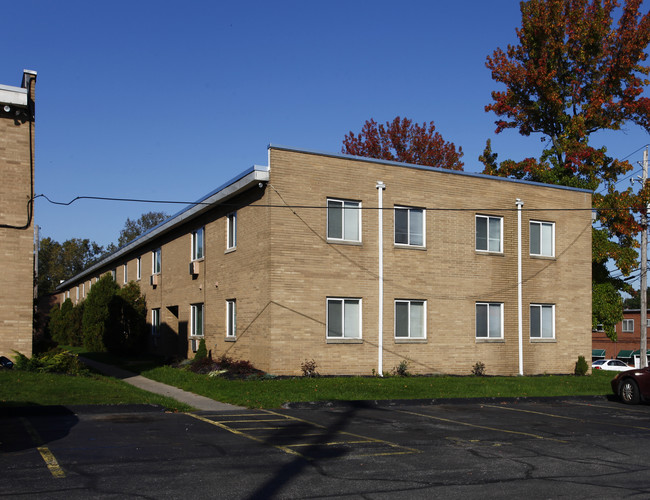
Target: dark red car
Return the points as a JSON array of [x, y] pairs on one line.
[[632, 385]]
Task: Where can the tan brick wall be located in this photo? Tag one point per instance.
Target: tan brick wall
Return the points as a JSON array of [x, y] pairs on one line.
[[16, 245], [284, 269]]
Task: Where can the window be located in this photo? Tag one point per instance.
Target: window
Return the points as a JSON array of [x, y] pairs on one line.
[[343, 220], [410, 319], [114, 274], [155, 325], [197, 244], [488, 233], [489, 320], [156, 261], [77, 294], [628, 325], [126, 273], [138, 268], [196, 320], [83, 289], [409, 226], [542, 321], [542, 238], [599, 328], [231, 231], [231, 318], [344, 318]]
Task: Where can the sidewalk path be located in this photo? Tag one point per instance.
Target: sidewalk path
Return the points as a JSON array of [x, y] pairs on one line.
[[194, 400]]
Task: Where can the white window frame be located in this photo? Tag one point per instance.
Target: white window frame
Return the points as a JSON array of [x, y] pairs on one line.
[[231, 318], [625, 328], [409, 210], [156, 258], [542, 308], [489, 305], [198, 244], [536, 225], [345, 206], [196, 326], [77, 293], [155, 325], [231, 231], [114, 274], [126, 273], [409, 328], [487, 236], [83, 290], [349, 301], [138, 268]]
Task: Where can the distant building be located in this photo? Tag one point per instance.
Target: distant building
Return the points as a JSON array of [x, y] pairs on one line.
[[17, 216], [297, 261], [628, 338]]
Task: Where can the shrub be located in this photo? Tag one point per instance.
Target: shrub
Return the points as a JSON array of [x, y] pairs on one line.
[[97, 313], [478, 369], [581, 366], [201, 352], [401, 370], [309, 368], [54, 361]]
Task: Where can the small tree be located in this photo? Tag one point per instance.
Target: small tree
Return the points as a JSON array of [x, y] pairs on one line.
[[97, 313], [126, 331]]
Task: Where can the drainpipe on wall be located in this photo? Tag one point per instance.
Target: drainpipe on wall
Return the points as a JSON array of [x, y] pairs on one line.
[[519, 204], [380, 343]]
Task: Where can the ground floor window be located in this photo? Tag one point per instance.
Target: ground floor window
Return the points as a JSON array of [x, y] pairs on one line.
[[410, 319], [343, 318], [231, 318], [155, 326], [489, 320], [542, 321]]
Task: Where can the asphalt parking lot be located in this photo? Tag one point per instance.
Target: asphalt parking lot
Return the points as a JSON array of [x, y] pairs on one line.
[[579, 448]]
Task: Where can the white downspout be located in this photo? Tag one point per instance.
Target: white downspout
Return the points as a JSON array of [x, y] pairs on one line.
[[380, 343], [519, 204]]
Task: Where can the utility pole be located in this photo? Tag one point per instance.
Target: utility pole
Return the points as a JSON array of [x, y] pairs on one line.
[[643, 358]]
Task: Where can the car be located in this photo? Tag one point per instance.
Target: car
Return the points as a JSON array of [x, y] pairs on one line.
[[614, 365], [633, 385], [5, 362]]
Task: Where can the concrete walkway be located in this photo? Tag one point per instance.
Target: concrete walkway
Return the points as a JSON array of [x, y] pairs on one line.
[[199, 402]]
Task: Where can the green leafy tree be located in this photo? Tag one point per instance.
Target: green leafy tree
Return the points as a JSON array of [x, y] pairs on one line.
[[404, 141], [97, 313], [134, 228], [127, 329], [61, 261], [573, 73]]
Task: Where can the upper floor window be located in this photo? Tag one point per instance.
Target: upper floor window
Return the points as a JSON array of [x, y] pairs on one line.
[[542, 238], [410, 319], [343, 220], [126, 273], [488, 233], [344, 318], [138, 268], [156, 261], [114, 274], [231, 231], [489, 320], [197, 244], [409, 226], [542, 321], [628, 325]]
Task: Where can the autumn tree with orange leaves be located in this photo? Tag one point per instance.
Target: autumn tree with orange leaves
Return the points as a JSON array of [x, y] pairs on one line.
[[404, 141], [574, 72]]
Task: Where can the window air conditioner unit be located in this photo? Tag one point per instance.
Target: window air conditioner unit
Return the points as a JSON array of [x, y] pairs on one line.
[[194, 268], [194, 343], [153, 280]]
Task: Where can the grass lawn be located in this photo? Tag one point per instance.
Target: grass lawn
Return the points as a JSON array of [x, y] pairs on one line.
[[270, 393], [22, 388]]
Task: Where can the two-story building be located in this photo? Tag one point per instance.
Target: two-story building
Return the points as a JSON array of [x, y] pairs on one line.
[[360, 264], [17, 216]]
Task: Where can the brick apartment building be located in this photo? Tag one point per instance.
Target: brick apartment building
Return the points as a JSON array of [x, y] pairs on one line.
[[284, 264], [17, 216], [628, 339]]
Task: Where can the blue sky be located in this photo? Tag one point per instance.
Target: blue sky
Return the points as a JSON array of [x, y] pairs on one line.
[[168, 100]]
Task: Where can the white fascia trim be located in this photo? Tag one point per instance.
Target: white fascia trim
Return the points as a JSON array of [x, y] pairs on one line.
[[13, 95], [253, 177]]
